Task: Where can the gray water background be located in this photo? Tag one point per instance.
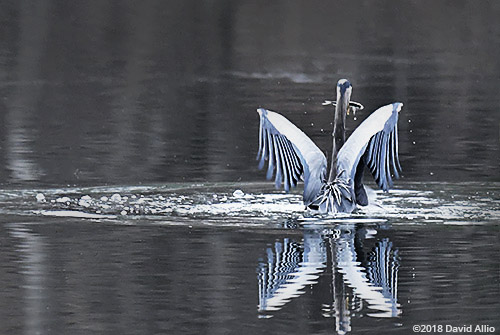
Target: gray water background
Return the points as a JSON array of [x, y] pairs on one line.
[[156, 100]]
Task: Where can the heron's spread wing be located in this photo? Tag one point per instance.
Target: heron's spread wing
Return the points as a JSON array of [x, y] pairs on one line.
[[376, 139], [291, 153]]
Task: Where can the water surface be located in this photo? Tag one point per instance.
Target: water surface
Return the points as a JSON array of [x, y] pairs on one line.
[[212, 258], [130, 201]]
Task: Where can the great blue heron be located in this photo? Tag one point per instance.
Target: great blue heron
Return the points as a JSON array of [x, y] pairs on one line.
[[294, 156]]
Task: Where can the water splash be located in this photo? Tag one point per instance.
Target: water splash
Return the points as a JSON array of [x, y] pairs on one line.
[[253, 203]]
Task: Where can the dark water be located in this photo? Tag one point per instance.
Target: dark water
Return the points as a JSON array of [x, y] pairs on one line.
[[127, 129]]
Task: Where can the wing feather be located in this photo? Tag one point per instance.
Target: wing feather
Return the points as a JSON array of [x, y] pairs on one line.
[[383, 160], [270, 151], [295, 165], [292, 155], [285, 169], [287, 159], [277, 158]]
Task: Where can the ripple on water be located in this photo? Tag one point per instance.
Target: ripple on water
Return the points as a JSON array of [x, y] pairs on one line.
[[414, 203]]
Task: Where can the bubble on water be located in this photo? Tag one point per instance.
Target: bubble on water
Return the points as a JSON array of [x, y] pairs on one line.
[[63, 199], [238, 194], [84, 201], [407, 204], [116, 197]]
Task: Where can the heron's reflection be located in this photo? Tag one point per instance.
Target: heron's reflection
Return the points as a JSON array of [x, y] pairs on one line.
[[359, 277], [290, 267]]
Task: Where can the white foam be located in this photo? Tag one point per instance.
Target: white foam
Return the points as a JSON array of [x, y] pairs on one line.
[[76, 214]]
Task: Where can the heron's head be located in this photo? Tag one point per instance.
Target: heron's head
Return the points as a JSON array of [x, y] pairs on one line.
[[344, 90]]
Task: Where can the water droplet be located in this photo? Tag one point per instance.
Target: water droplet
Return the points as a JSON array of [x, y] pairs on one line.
[[413, 142], [238, 194]]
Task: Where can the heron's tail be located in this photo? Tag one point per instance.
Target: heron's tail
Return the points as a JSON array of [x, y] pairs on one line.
[[335, 197]]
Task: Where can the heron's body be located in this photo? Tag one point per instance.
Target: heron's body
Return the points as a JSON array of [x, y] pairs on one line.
[[293, 156]]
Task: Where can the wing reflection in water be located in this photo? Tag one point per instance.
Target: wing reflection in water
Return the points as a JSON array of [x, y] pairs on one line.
[[289, 269], [357, 279]]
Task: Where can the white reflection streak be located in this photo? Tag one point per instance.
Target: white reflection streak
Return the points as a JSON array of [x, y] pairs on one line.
[[31, 248], [355, 277], [33, 26], [22, 167], [274, 292]]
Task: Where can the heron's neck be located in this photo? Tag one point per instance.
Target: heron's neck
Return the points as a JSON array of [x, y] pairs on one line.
[[338, 139]]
